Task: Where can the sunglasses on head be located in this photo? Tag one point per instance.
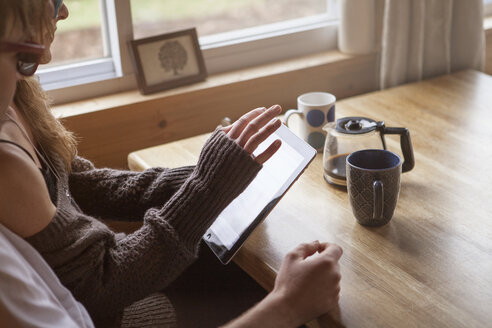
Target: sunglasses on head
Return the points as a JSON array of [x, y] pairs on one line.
[[28, 55], [57, 4]]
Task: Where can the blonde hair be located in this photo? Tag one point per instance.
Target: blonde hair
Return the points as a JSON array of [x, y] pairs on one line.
[[35, 18], [26, 13], [49, 133]]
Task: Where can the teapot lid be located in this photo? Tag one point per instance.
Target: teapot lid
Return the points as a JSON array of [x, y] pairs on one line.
[[356, 125]]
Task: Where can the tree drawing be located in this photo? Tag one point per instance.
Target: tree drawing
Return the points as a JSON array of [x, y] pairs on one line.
[[173, 56]]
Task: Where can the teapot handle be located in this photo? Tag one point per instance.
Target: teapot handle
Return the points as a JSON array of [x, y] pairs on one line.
[[406, 146]]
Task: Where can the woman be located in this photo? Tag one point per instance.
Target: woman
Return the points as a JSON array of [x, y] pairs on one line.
[[58, 201], [31, 295]]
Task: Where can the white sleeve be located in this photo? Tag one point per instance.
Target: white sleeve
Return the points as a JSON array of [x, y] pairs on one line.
[[26, 299]]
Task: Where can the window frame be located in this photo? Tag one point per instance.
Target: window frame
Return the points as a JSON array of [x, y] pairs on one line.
[[222, 52]]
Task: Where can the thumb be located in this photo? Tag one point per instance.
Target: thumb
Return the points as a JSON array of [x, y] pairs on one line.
[[333, 250]]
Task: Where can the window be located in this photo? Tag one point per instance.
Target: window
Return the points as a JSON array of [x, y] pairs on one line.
[[152, 17], [83, 50], [80, 37], [90, 54]]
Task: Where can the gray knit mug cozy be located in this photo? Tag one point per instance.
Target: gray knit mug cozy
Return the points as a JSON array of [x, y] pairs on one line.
[[373, 185]]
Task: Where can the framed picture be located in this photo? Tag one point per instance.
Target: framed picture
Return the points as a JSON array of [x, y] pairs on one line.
[[167, 61]]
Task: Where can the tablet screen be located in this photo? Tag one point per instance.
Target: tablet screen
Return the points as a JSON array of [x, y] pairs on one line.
[[238, 220]]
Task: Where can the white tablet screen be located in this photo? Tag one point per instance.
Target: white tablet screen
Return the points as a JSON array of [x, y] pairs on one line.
[[277, 174]]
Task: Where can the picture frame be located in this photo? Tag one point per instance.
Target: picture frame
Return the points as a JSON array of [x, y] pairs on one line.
[[167, 61]]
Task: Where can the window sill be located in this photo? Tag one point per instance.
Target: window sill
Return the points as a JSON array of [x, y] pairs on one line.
[[219, 80]]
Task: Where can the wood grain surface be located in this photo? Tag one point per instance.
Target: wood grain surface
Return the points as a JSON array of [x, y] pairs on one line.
[[431, 266]]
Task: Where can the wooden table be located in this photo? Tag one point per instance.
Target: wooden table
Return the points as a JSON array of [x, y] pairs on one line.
[[431, 266]]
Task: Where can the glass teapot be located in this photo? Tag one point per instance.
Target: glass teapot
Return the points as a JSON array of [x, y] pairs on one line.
[[349, 134]]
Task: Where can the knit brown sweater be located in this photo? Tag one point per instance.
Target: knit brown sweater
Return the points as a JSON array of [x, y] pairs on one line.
[[108, 272]]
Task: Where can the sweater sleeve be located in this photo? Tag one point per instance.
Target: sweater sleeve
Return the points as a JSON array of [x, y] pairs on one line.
[[223, 171], [123, 195], [107, 272]]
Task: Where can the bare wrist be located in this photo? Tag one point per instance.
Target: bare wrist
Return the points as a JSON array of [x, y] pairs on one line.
[[283, 310], [272, 312]]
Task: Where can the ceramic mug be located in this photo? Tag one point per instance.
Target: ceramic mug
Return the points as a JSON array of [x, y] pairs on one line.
[[373, 185], [315, 109]]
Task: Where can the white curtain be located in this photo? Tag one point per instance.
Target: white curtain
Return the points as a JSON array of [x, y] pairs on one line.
[[416, 39]]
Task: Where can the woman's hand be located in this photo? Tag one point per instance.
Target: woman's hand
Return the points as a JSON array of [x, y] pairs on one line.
[[308, 282], [307, 286], [253, 128]]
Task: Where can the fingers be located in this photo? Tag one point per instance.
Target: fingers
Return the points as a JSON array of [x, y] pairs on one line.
[[326, 249], [261, 136], [305, 250], [243, 121], [255, 127], [265, 156], [257, 124], [227, 128]]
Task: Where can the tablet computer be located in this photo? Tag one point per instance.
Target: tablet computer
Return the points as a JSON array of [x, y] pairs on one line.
[[236, 222]]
